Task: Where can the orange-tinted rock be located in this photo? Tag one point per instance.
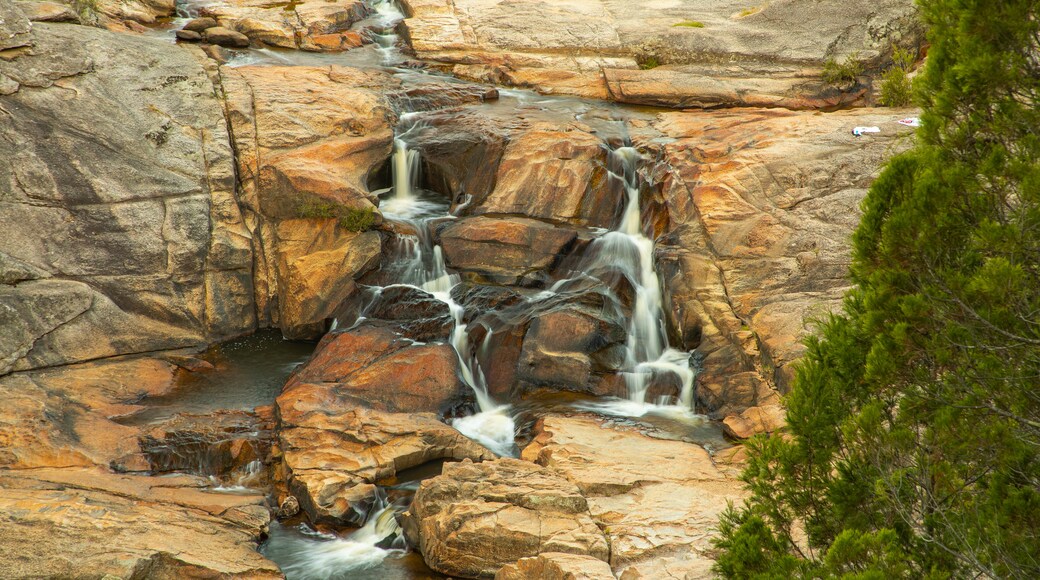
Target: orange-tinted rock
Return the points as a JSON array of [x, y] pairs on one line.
[[556, 566], [507, 250], [474, 519], [301, 24]]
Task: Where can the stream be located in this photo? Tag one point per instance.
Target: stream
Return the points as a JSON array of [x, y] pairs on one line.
[[250, 372]]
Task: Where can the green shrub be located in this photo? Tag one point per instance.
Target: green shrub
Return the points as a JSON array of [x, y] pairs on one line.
[[357, 220], [649, 63], [846, 72], [896, 86], [352, 219], [690, 24]]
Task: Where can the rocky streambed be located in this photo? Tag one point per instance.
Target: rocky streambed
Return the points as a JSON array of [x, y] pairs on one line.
[[492, 331]]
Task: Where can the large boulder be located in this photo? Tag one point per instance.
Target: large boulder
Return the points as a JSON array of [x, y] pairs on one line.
[[688, 53], [657, 500], [556, 566], [505, 250], [130, 175], [475, 518], [375, 367]]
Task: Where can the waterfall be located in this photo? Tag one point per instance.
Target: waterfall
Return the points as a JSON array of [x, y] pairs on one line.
[[628, 249], [425, 268]]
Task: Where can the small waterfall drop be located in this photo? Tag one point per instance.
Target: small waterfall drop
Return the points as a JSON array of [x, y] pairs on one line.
[[425, 268]]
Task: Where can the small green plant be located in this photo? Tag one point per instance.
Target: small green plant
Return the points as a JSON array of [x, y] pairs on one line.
[[690, 24], [649, 63], [843, 73], [352, 219], [896, 86], [750, 11], [357, 220], [87, 10]]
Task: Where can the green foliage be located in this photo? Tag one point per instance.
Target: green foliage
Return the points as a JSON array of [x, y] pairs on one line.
[[913, 444], [649, 62], [355, 220], [690, 24], [843, 73], [87, 10], [896, 86]]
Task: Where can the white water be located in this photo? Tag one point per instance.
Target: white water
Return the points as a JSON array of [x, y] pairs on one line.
[[628, 250], [306, 554], [425, 268]]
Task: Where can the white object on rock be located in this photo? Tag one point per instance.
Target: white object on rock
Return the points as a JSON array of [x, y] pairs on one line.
[[857, 131]]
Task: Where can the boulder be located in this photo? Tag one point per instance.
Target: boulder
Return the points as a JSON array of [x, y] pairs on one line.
[[130, 14], [200, 24], [505, 250], [658, 500], [475, 518], [15, 28], [225, 37], [48, 12], [374, 367], [307, 140], [131, 175], [302, 24], [553, 174], [317, 261], [188, 35], [556, 566], [410, 312]]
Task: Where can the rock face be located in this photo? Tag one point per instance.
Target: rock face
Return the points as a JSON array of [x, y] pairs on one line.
[[710, 53], [130, 175], [315, 25], [307, 139], [764, 203], [475, 518], [657, 501], [556, 566], [63, 511]]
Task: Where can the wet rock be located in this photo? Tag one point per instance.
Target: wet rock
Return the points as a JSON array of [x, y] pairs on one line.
[[226, 37], [411, 312], [334, 451], [289, 507], [506, 250], [230, 446], [554, 175], [556, 566], [476, 518], [766, 57], [478, 299], [461, 157], [317, 261], [307, 140], [188, 35], [374, 367], [763, 203], [659, 500], [298, 25], [200, 24], [133, 181], [568, 347]]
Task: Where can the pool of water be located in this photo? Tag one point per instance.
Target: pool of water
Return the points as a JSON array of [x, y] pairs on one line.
[[248, 373]]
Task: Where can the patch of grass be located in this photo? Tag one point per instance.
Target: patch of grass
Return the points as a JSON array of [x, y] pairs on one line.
[[649, 63], [897, 89], [357, 220], [690, 24], [750, 11], [843, 73], [349, 218]]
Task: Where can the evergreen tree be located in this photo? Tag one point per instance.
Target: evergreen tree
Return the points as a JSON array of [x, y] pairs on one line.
[[913, 440]]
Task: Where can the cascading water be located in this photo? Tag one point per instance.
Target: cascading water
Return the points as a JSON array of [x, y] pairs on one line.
[[424, 268]]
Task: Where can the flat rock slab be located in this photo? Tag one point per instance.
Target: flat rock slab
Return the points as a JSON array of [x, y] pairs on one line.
[[702, 53], [475, 518], [556, 566], [657, 501], [505, 250]]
